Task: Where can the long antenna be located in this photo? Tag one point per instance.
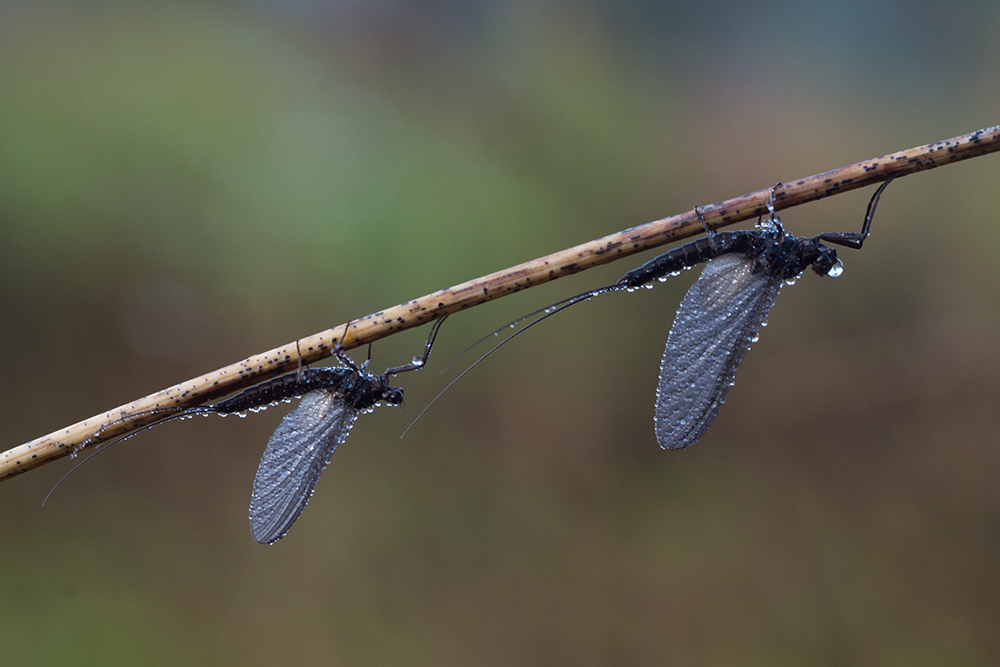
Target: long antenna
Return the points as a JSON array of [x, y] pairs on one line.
[[549, 312]]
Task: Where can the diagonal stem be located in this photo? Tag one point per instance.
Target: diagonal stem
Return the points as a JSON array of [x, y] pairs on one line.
[[427, 308]]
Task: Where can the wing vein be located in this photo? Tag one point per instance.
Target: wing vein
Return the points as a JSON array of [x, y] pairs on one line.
[[715, 324], [295, 457]]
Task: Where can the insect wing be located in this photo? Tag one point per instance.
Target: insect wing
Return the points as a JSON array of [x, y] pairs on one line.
[[295, 457], [715, 324]]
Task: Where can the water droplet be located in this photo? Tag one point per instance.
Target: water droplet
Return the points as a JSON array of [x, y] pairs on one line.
[[835, 270]]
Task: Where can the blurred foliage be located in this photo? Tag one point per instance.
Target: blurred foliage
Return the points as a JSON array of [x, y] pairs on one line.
[[182, 185]]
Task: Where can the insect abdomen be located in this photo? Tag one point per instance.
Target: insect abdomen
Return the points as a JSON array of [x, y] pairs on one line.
[[688, 255], [282, 388]]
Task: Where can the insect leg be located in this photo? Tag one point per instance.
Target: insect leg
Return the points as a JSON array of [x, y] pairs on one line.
[[708, 230], [851, 239], [419, 361], [338, 351], [774, 219]]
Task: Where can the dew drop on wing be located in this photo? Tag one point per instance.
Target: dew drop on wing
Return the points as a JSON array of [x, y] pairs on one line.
[[296, 455], [723, 309]]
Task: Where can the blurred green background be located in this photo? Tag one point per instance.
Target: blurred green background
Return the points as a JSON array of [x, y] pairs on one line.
[[183, 185]]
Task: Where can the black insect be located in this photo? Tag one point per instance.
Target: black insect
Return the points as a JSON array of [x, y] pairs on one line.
[[722, 312], [302, 445]]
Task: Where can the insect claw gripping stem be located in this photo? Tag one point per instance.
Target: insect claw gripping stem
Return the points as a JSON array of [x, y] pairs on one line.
[[704, 225], [774, 219], [343, 357]]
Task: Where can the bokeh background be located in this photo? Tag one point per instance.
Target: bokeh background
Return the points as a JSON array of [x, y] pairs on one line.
[[185, 184]]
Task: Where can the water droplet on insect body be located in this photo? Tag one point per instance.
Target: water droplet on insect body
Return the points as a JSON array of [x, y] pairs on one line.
[[835, 270]]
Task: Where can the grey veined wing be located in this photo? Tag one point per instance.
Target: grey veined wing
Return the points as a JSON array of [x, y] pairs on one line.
[[715, 324], [296, 455]]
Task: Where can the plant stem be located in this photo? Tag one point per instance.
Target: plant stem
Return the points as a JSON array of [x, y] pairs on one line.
[[425, 309]]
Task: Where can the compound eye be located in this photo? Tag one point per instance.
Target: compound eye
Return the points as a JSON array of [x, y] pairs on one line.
[[394, 396], [825, 263]]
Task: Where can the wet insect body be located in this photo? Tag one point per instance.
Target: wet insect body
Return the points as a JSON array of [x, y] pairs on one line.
[[719, 318], [721, 313], [302, 445]]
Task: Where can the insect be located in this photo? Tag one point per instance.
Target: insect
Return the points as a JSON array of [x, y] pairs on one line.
[[302, 445], [721, 313]]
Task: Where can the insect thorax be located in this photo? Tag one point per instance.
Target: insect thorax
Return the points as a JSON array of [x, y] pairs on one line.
[[367, 389], [789, 256]]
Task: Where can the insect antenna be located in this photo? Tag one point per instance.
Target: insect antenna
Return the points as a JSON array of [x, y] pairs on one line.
[[510, 325], [548, 312], [187, 412]]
